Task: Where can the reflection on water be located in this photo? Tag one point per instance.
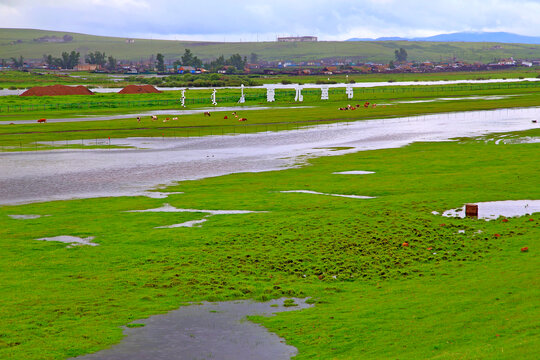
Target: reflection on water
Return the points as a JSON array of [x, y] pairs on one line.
[[207, 331], [64, 174]]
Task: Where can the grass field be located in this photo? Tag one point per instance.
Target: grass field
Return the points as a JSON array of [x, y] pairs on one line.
[[448, 295], [372, 51], [470, 295]]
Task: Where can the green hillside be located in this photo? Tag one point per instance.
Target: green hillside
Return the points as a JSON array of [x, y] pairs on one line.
[[16, 42]]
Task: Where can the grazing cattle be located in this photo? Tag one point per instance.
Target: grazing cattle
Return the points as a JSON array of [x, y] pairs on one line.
[[138, 119], [42, 121], [352, 108], [373, 105], [357, 105], [167, 119], [366, 104], [154, 117], [207, 113], [225, 117], [242, 119], [175, 118]]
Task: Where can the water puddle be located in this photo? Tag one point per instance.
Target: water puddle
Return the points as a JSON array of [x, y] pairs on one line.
[[26, 217], [194, 223], [71, 240], [158, 194], [354, 172], [492, 97], [207, 331], [169, 208], [493, 209], [319, 193]]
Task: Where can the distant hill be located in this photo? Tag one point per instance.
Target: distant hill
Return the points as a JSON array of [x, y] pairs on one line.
[[467, 36], [33, 44]]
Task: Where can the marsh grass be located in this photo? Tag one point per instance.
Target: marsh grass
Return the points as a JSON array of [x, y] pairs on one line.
[[474, 298]]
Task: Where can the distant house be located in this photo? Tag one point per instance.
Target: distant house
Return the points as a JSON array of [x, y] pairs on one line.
[[86, 67], [297, 38], [130, 41], [187, 70]]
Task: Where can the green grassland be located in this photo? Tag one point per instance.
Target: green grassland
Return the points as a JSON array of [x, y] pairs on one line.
[[447, 296], [375, 51]]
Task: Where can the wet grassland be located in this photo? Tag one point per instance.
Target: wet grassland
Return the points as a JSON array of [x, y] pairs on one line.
[[447, 295], [281, 115]]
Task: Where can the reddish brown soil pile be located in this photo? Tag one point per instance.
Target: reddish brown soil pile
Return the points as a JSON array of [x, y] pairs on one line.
[[137, 89], [55, 90]]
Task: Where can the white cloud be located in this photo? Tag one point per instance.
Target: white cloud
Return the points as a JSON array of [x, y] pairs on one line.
[[244, 19]]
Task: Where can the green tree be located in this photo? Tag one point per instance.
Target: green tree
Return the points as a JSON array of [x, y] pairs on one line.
[[97, 58], [160, 62], [401, 55], [112, 63], [18, 63], [188, 59], [253, 58], [49, 60], [237, 61]]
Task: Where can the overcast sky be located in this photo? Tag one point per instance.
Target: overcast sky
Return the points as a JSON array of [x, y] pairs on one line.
[[252, 20]]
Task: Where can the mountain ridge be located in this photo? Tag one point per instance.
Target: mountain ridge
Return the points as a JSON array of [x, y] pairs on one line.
[[465, 36]]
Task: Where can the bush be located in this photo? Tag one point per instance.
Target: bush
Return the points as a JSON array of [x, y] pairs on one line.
[[286, 82]]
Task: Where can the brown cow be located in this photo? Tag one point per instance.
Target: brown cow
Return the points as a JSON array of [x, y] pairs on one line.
[[207, 113], [225, 117], [242, 119], [42, 121]]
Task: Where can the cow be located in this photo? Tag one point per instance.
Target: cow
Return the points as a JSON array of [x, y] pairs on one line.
[[175, 118], [242, 119], [153, 117], [225, 117], [42, 120], [138, 119], [366, 104], [373, 105], [207, 113]]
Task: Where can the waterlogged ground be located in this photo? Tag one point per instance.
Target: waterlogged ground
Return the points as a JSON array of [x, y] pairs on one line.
[[206, 331], [389, 278], [62, 174]]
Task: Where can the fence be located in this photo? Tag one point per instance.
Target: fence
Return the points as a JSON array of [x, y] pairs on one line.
[[280, 95]]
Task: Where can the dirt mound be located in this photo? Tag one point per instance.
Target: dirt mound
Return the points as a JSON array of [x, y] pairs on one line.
[[138, 89], [55, 90]]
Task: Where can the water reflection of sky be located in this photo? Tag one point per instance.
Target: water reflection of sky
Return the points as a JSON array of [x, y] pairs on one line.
[[65, 174]]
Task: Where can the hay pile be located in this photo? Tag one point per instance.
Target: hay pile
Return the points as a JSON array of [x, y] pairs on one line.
[[55, 90], [138, 89]]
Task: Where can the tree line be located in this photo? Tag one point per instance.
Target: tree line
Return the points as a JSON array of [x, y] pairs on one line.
[[232, 64]]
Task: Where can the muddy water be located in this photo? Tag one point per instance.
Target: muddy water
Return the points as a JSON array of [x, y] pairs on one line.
[[57, 175], [209, 331]]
